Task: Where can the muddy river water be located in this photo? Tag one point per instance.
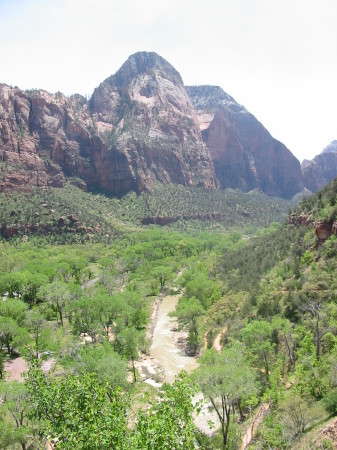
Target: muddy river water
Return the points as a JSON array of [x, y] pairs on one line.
[[164, 346], [172, 359]]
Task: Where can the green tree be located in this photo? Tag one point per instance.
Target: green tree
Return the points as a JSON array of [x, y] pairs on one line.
[[58, 295], [126, 343], [79, 411], [225, 379], [13, 308], [2, 364], [16, 406], [257, 336], [12, 336], [168, 423], [188, 311], [39, 330]]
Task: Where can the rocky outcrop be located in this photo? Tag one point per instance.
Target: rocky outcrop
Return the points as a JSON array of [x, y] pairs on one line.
[[139, 127], [302, 219], [323, 230], [322, 169], [150, 128], [244, 154], [165, 220]]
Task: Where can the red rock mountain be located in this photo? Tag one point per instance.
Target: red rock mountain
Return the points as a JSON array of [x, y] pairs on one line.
[[322, 169], [244, 153], [140, 125]]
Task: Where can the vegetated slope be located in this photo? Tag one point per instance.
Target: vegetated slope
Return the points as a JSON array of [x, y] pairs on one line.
[[279, 299], [321, 169], [70, 214], [244, 153], [60, 214]]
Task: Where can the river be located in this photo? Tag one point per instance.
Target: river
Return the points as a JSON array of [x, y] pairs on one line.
[[164, 348], [167, 357]]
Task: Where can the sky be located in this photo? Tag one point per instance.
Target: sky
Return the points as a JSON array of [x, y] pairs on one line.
[[278, 58]]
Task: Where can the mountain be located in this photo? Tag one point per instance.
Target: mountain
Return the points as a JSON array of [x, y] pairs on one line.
[[321, 169], [244, 153], [138, 127]]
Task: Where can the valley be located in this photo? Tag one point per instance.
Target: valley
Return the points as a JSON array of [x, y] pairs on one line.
[[254, 306], [167, 277]]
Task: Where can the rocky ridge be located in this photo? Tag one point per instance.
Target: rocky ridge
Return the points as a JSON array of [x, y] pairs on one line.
[[141, 125], [321, 169], [138, 127], [244, 153]]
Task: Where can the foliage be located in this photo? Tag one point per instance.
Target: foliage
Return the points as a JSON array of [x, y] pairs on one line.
[[80, 412]]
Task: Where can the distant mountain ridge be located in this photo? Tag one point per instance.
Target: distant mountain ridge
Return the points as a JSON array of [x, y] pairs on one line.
[[141, 125], [321, 169]]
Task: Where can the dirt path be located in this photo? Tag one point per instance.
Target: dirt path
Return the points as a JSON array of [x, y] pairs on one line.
[[217, 340], [250, 433], [15, 368]]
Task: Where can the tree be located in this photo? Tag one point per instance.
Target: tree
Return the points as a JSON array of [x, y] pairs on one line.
[[103, 360], [79, 411], [126, 343], [86, 317], [257, 336], [13, 308], [168, 423], [40, 333], [225, 379], [15, 401], [33, 284], [188, 311], [162, 274], [86, 414], [11, 334], [58, 295], [2, 364]]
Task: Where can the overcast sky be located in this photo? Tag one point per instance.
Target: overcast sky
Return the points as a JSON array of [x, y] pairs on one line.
[[276, 57]]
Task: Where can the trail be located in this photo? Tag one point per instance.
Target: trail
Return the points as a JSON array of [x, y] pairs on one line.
[[217, 340], [15, 368], [251, 431], [90, 283]]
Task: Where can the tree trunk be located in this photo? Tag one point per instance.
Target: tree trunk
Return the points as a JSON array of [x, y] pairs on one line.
[[318, 339], [225, 431], [133, 370]]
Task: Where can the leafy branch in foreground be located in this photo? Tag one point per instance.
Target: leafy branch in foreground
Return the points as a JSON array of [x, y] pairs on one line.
[[80, 412]]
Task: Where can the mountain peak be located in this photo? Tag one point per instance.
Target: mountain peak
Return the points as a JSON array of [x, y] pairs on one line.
[[145, 63], [331, 148]]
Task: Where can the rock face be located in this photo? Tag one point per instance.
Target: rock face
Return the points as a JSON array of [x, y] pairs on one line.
[[244, 154], [150, 128], [138, 127], [322, 169]]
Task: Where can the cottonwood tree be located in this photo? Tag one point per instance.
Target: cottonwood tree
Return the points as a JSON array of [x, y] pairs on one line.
[[16, 405], [58, 295], [188, 311], [225, 378], [257, 336]]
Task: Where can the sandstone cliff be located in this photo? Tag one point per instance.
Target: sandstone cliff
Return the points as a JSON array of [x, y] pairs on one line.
[[138, 127], [244, 154], [322, 169]]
